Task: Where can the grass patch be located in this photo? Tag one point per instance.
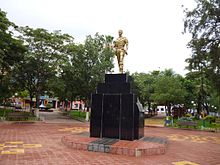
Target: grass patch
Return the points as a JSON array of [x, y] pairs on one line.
[[207, 124], [202, 124], [150, 121], [77, 115]]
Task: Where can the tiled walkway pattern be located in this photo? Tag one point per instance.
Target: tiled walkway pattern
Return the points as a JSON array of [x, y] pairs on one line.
[[195, 138], [75, 129], [16, 147], [40, 144], [184, 163]]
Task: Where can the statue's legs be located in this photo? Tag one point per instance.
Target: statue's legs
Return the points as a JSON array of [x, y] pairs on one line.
[[120, 57], [120, 62]]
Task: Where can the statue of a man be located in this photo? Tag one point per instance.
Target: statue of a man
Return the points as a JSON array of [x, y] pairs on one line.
[[121, 48]]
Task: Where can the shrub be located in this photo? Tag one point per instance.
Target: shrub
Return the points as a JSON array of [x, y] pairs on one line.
[[77, 114], [168, 118], [49, 105], [188, 115], [4, 112], [211, 119]]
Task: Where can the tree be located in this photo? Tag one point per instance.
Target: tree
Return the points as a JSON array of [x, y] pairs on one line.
[[25, 77], [168, 90], [214, 101], [5, 87], [56, 88], [190, 97], [11, 52], [198, 90], [144, 84], [88, 64], [44, 59], [203, 22]]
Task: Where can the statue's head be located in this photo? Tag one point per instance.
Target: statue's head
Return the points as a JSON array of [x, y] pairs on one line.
[[120, 32]]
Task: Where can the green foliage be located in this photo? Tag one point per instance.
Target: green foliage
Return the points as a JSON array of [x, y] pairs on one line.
[[168, 89], [203, 22], [144, 87], [190, 84], [43, 61], [22, 94], [188, 115], [211, 119], [5, 87], [200, 91], [206, 124], [214, 101], [168, 118], [4, 112], [49, 105], [160, 88], [11, 49], [11, 52], [56, 88], [77, 114], [87, 66]]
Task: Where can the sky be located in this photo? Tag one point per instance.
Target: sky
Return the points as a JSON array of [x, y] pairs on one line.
[[153, 27]]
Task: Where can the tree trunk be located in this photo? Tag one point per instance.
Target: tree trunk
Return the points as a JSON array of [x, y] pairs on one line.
[[65, 104], [37, 100], [199, 104], [168, 107], [207, 108], [71, 104], [31, 102], [31, 105], [149, 104]]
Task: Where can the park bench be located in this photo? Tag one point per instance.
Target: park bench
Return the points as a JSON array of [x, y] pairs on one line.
[[18, 116], [187, 123]]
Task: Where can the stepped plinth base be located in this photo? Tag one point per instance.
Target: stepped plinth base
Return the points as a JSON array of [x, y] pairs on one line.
[[145, 146]]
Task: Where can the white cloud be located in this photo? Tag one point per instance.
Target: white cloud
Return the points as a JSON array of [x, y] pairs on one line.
[[153, 28]]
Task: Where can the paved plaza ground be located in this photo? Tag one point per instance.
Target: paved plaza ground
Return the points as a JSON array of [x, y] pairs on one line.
[[39, 143]]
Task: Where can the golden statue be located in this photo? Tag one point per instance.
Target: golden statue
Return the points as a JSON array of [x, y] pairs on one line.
[[121, 48]]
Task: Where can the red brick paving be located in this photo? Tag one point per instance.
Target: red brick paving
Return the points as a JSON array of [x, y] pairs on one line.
[[53, 152]]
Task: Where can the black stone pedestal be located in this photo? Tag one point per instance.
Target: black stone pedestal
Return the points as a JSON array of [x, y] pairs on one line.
[[115, 111]]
